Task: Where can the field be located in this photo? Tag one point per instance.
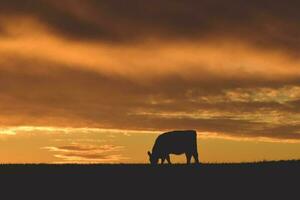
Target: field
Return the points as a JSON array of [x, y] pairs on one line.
[[252, 180]]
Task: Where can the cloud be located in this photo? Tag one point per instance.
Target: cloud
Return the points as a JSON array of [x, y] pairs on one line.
[[80, 98], [85, 148], [227, 67], [209, 59], [265, 23], [87, 153]]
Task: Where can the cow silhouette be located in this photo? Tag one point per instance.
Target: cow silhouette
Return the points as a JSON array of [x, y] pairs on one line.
[[174, 142]]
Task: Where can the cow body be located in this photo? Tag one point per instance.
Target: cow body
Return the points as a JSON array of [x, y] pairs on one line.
[[174, 142]]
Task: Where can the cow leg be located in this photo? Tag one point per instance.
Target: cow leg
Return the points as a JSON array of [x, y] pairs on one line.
[[168, 159], [188, 158], [162, 160], [195, 155]]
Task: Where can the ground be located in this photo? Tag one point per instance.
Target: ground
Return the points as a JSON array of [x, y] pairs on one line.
[[254, 180]]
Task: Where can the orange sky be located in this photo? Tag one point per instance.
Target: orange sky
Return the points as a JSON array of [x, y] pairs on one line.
[[90, 81]]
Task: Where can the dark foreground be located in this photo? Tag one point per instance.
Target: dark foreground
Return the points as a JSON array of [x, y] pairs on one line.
[[253, 180]]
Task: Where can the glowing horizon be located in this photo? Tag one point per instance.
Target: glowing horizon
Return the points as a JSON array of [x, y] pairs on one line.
[[59, 145]]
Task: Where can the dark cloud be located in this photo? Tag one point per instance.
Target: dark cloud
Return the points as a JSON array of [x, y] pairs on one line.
[[294, 106], [44, 96], [77, 148], [264, 23], [87, 156], [56, 17], [280, 132]]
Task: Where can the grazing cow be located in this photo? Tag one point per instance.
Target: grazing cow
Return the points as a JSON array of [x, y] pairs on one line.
[[174, 142]]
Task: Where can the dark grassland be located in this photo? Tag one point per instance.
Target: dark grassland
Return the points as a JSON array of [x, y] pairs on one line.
[[246, 180]]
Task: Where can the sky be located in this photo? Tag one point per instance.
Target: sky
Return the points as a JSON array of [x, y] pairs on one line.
[[89, 81]]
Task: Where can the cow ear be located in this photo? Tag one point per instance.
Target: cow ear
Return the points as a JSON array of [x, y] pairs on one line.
[[149, 153]]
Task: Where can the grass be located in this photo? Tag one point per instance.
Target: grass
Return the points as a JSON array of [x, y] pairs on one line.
[[256, 163], [111, 180]]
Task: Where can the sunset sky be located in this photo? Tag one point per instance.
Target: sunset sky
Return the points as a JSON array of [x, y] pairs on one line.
[[95, 81]]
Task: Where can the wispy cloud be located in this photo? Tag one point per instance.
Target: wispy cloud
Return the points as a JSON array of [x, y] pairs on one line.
[[87, 153], [14, 130]]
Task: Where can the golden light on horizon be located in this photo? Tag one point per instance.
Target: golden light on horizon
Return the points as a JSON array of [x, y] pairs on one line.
[[29, 144]]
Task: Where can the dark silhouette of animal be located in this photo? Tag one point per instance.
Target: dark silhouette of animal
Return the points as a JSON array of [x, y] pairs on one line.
[[174, 142]]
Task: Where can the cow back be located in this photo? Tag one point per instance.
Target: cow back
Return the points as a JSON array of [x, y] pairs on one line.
[[176, 142]]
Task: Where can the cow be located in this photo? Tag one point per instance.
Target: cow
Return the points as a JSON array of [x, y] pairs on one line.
[[174, 142]]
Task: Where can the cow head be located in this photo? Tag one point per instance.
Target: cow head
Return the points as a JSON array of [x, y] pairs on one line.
[[153, 159]]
